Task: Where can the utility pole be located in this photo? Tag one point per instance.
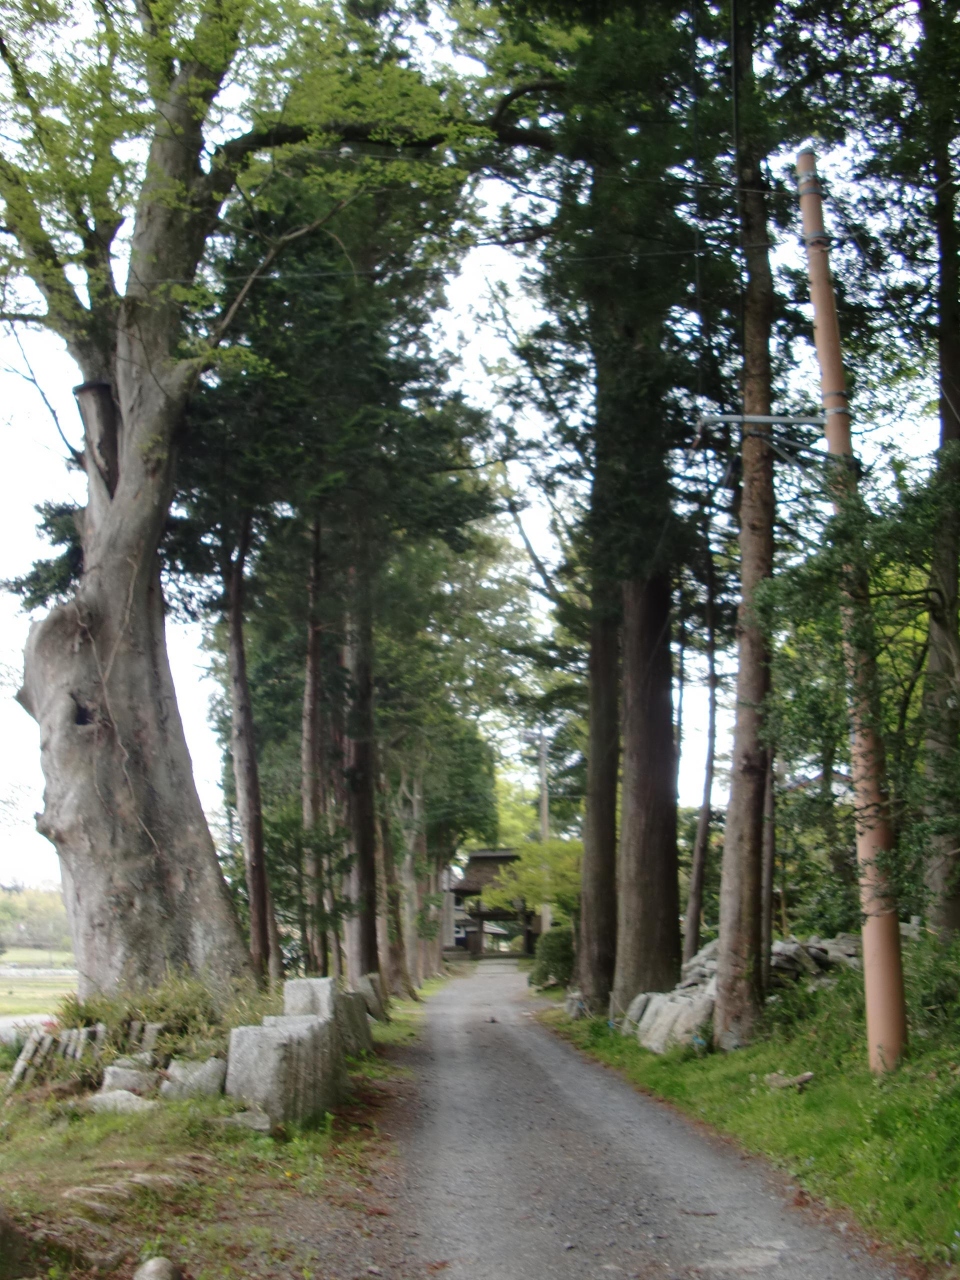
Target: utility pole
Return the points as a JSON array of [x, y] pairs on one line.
[[540, 739], [882, 967], [544, 792]]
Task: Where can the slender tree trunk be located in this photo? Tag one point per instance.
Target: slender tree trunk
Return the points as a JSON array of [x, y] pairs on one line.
[[311, 762], [739, 978], [842, 865], [648, 921], [409, 903], [275, 953], [243, 750], [769, 868], [400, 974], [360, 775], [302, 921], [701, 843], [941, 694], [597, 952], [882, 962], [598, 876]]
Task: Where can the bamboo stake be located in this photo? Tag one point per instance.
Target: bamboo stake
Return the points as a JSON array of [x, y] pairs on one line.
[[882, 968]]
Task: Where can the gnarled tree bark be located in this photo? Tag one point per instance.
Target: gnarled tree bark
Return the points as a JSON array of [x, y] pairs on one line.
[[142, 884]]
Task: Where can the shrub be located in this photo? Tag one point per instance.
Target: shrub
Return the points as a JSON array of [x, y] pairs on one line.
[[555, 958]]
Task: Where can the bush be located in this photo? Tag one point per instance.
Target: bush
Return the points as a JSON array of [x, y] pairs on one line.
[[555, 959]]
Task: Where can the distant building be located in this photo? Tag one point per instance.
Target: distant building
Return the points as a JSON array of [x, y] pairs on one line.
[[467, 922]]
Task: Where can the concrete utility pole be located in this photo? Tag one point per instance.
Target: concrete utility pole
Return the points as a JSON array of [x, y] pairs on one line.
[[544, 792], [540, 739], [546, 914], [882, 967]]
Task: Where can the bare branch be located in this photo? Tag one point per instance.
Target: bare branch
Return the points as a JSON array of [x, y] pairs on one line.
[[271, 256], [31, 377], [230, 157], [549, 585], [521, 91]]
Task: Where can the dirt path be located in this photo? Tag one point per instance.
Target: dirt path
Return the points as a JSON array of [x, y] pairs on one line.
[[526, 1162]]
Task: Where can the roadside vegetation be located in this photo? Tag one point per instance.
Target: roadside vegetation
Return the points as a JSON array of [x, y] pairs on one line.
[[183, 1183], [885, 1148]]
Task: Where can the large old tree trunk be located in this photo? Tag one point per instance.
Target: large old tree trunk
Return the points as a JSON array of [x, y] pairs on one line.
[[142, 885], [648, 921], [739, 977]]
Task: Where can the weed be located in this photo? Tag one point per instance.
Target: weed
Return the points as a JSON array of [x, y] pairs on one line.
[[196, 1024]]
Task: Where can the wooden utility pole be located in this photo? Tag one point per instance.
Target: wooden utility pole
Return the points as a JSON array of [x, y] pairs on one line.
[[882, 968]]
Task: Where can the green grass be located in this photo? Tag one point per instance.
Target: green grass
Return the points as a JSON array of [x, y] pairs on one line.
[[50, 1146], [33, 995], [405, 1016], [238, 1216], [886, 1149], [27, 993], [38, 958]]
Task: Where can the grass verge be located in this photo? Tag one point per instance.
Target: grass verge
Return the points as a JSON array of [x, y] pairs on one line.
[[887, 1150], [220, 1201], [405, 1016]]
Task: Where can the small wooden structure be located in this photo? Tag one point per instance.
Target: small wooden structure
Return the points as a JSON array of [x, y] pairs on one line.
[[469, 913]]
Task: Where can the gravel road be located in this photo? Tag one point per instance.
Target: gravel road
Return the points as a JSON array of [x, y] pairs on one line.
[[526, 1162]]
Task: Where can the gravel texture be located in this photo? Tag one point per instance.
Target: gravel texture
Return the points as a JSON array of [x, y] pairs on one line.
[[525, 1161]]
